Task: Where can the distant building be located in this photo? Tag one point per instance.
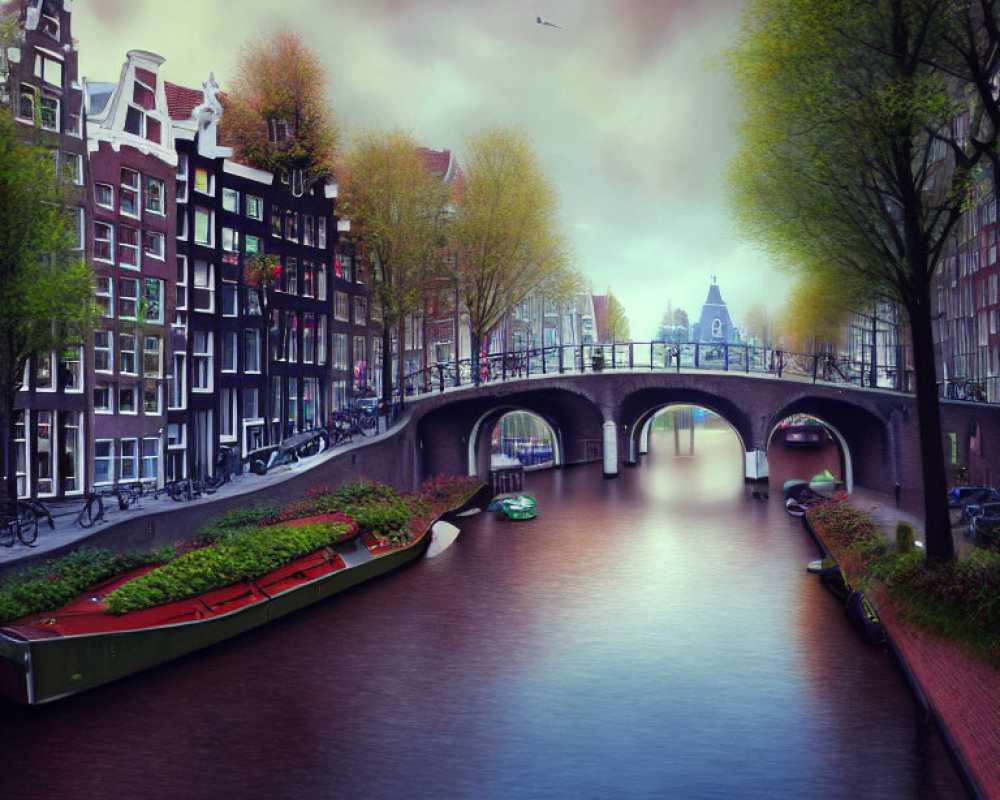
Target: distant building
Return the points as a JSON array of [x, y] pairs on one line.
[[714, 326]]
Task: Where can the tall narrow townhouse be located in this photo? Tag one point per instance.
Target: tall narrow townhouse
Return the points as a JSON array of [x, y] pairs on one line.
[[39, 86], [230, 363], [132, 166]]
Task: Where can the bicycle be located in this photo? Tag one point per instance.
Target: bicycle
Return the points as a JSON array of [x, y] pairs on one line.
[[19, 523], [37, 509], [92, 511]]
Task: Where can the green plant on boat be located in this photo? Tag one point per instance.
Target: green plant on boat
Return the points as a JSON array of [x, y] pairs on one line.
[[241, 555]]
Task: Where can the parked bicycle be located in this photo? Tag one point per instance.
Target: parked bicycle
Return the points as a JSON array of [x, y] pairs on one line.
[[18, 523]]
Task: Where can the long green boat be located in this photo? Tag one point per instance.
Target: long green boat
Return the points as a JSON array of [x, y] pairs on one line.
[[48, 656]]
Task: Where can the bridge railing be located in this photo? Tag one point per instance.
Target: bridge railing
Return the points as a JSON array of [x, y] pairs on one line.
[[661, 356]]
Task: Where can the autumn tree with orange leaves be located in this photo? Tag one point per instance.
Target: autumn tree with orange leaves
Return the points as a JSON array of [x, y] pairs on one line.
[[277, 113]]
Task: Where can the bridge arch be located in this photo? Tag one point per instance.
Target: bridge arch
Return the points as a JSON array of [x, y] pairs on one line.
[[862, 435], [481, 437]]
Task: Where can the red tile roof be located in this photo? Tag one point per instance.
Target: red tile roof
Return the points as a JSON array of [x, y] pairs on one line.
[[181, 100], [436, 161]]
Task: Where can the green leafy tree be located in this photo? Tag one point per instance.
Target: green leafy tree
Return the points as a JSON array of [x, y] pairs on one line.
[[46, 291], [503, 237], [618, 324], [277, 114], [848, 169], [397, 212], [261, 274]]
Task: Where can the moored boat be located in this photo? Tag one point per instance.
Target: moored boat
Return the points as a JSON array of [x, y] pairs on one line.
[[523, 506], [47, 656]]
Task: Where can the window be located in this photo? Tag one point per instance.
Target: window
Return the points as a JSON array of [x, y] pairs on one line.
[[321, 232], [44, 373], [104, 241], [177, 383], [44, 452], [276, 218], [230, 200], [49, 25], [293, 404], [102, 400], [128, 459], [230, 343], [308, 230], [230, 298], [321, 281], [203, 226], [339, 351], [128, 298], [137, 121], [48, 113], [129, 192], [360, 310], [127, 400], [48, 68], [251, 244], [321, 339], [251, 350], [255, 207], [150, 458], [152, 357], [26, 103], [20, 453], [230, 240], [103, 343], [176, 435], [202, 365], [78, 221], [155, 203], [227, 413], [128, 247], [104, 461], [72, 369], [308, 338], [104, 195], [341, 309], [291, 336], [151, 405], [72, 167], [290, 274], [181, 180], [251, 404], [71, 461], [204, 286], [291, 226], [154, 244], [307, 279], [203, 181], [152, 294], [126, 354]]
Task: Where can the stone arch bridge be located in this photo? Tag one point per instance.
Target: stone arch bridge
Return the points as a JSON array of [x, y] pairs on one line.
[[605, 416]]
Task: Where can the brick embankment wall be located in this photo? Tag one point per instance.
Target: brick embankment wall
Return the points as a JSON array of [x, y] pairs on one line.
[[962, 691]]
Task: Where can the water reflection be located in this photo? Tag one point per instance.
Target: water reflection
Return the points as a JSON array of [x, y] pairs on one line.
[[651, 636]]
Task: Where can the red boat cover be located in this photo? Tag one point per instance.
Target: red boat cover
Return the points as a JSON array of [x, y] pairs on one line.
[[87, 614]]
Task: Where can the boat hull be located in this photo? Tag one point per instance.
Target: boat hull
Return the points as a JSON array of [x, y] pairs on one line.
[[40, 670]]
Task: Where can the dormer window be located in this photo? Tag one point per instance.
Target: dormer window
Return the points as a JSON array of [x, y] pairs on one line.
[[717, 328], [50, 26], [137, 121]]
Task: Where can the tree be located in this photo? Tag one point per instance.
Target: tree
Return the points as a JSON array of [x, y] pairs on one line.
[[618, 326], [46, 291], [848, 169], [503, 236], [397, 212], [261, 274], [276, 114]]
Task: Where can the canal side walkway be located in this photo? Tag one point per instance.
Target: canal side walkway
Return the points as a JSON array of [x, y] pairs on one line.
[[961, 691]]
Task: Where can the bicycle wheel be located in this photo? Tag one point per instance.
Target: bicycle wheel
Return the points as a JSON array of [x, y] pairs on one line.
[[368, 424], [27, 528], [92, 511]]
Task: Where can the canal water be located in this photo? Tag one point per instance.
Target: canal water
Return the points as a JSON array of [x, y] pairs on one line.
[[654, 636]]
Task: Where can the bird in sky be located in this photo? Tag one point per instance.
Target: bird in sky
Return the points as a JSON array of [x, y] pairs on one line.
[[546, 22]]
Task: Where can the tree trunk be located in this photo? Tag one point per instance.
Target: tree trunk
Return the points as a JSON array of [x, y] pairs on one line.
[[386, 367], [8, 495], [937, 520]]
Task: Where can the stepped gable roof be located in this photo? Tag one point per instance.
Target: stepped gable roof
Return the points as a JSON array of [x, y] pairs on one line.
[[181, 100]]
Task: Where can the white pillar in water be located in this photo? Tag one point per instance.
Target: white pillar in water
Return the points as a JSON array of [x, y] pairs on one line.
[[610, 450], [756, 466], [644, 438]]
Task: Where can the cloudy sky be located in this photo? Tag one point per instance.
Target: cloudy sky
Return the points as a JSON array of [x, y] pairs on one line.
[[628, 114]]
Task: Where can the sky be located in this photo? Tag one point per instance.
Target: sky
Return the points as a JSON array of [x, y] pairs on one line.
[[630, 116]]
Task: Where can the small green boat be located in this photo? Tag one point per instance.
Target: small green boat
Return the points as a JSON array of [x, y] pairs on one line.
[[523, 506]]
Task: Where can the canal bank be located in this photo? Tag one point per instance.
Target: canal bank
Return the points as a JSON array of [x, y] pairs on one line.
[[959, 691]]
